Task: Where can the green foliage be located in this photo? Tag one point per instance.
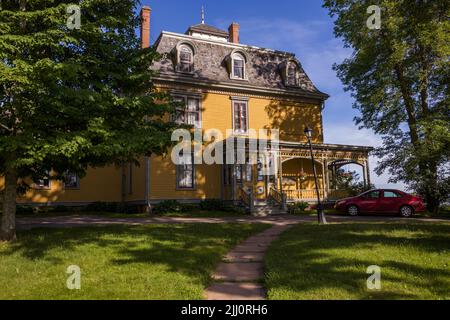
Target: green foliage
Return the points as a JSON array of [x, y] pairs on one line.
[[24, 210], [76, 98], [348, 181], [167, 206], [399, 78], [212, 205], [297, 207], [111, 207]]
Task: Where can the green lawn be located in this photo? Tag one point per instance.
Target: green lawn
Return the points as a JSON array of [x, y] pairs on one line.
[[117, 262], [329, 262]]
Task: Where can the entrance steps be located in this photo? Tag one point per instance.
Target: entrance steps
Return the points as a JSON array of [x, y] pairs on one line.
[[266, 208]]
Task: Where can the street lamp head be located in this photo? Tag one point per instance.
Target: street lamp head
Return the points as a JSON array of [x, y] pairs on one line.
[[308, 132]]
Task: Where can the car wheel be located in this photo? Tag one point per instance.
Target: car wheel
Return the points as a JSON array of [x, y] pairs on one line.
[[406, 211], [352, 210]]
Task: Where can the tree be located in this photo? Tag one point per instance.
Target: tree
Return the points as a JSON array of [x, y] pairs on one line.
[[73, 98], [399, 76], [349, 181]]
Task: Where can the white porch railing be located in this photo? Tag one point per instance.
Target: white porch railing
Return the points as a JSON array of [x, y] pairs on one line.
[[311, 194]]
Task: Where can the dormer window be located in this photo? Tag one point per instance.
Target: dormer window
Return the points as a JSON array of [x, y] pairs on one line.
[[238, 66], [236, 63], [186, 59], [183, 57], [289, 73]]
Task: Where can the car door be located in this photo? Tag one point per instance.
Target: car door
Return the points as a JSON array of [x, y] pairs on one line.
[[369, 201], [390, 201]]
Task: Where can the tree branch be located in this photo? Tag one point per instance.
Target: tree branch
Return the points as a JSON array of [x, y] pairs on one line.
[[409, 104]]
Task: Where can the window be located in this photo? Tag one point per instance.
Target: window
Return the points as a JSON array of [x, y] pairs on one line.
[[290, 73], [189, 112], [44, 183], [391, 194], [372, 195], [71, 181], [186, 174], [238, 70], [240, 117], [186, 59], [291, 79]]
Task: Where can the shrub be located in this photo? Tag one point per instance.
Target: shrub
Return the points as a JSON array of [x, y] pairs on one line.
[[24, 210], [167, 206], [127, 208], [188, 207], [297, 207], [212, 205], [100, 206], [61, 209]]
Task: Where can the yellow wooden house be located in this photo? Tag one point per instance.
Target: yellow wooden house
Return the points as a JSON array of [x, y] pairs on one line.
[[234, 88]]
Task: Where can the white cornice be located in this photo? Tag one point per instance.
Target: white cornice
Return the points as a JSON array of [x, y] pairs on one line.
[[221, 43], [239, 86]]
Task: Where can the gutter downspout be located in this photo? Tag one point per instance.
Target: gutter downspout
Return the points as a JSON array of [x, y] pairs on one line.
[[148, 208]]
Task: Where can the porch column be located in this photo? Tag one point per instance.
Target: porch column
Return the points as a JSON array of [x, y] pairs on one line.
[[324, 182], [233, 187], [368, 171], [327, 174], [364, 175], [281, 175]]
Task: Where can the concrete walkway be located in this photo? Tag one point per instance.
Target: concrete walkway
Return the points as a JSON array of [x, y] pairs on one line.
[[239, 275], [26, 223]]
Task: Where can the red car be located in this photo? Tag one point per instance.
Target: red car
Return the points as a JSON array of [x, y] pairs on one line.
[[381, 201]]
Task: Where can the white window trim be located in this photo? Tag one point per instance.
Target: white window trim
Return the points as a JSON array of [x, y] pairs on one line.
[[230, 64], [77, 187], [42, 187], [245, 101], [177, 176], [179, 58], [185, 97]]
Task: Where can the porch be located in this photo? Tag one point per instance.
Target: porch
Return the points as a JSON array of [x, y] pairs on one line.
[[292, 178]]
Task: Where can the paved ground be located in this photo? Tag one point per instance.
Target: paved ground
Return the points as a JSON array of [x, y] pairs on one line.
[[25, 223], [239, 275]]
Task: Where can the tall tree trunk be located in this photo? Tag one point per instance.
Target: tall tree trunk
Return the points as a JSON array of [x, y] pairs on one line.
[[405, 89], [8, 225]]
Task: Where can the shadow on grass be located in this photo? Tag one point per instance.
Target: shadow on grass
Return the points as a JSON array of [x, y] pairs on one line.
[[329, 262], [193, 249]]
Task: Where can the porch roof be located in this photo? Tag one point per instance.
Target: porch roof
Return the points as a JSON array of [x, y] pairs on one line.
[[290, 145]]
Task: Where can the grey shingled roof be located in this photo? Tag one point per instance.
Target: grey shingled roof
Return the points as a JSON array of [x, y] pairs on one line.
[[262, 68], [207, 29]]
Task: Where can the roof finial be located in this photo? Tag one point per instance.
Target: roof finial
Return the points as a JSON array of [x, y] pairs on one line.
[[203, 15]]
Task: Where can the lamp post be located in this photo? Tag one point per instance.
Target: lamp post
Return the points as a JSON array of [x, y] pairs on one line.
[[320, 214]]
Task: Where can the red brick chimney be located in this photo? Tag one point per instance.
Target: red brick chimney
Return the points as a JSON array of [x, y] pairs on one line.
[[145, 26], [233, 31]]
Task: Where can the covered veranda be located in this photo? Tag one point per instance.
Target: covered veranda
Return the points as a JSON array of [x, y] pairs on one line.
[[292, 178]]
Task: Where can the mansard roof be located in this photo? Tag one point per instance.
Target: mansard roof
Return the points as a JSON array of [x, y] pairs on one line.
[[263, 66]]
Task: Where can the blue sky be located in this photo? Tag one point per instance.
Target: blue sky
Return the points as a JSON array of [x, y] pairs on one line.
[[299, 26]]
